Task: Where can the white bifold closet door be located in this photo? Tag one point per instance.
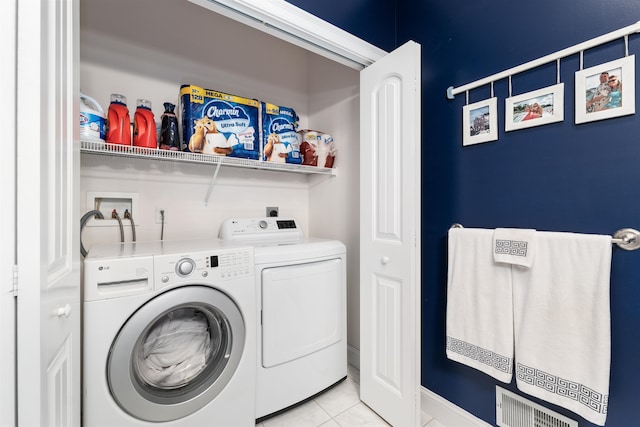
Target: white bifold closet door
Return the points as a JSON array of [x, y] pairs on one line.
[[390, 236], [48, 226]]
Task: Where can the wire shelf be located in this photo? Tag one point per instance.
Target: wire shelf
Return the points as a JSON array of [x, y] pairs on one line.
[[116, 150]]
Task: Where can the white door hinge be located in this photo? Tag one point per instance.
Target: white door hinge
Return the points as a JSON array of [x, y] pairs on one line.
[[14, 289]]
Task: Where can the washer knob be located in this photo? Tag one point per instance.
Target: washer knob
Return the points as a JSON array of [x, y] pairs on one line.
[[185, 267], [263, 224]]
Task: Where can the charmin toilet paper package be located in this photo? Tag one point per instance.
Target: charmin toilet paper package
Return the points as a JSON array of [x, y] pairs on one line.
[[280, 139], [219, 123], [317, 149]]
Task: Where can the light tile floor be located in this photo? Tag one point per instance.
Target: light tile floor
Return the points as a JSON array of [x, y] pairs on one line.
[[338, 407]]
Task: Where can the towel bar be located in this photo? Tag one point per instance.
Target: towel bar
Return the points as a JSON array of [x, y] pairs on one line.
[[626, 238]]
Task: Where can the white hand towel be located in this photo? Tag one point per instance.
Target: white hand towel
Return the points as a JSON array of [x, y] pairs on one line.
[[562, 323], [479, 305], [514, 246]]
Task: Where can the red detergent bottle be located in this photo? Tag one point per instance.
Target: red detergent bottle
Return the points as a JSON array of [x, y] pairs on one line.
[[144, 126], [118, 121]]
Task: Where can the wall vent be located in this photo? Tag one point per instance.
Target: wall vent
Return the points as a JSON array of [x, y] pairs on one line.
[[513, 410]]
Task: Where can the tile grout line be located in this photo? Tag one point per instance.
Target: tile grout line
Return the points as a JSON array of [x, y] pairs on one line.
[[342, 412]]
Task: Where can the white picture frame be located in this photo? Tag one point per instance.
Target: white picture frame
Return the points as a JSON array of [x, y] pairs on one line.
[[480, 122], [536, 108], [594, 103]]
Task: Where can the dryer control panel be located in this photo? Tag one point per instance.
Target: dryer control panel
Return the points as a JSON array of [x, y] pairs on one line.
[[270, 229], [208, 266]]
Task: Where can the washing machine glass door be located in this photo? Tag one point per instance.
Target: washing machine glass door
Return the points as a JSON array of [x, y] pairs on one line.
[[176, 353]]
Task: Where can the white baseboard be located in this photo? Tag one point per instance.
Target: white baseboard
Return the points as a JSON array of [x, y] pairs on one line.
[[430, 403], [446, 412]]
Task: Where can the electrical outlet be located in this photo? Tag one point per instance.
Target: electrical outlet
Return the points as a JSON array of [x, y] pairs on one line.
[[272, 211], [159, 215]]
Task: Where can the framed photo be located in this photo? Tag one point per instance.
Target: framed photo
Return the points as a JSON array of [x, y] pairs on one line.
[[606, 90], [536, 108], [480, 122]]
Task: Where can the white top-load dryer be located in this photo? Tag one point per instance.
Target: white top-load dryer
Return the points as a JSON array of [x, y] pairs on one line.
[[301, 310]]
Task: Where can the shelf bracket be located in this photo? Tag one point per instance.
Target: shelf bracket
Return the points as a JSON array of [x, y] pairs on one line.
[[213, 180]]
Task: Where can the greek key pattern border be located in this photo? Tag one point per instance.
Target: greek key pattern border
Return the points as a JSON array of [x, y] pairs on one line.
[[487, 357], [511, 247], [590, 398]]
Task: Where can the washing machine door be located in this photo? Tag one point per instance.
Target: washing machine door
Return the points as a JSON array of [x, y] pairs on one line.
[[176, 353]]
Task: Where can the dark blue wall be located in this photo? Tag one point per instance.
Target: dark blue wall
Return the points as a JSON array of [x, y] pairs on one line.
[[559, 177], [371, 20]]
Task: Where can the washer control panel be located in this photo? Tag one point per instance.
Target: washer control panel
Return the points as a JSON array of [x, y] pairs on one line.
[[214, 265]]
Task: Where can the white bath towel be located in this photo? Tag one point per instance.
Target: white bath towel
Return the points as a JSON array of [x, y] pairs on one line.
[[514, 246], [479, 305], [562, 323]]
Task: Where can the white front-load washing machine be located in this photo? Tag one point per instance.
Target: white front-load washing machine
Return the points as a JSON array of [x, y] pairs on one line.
[[169, 335], [301, 311]]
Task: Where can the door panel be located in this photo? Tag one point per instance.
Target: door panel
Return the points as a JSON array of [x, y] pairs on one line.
[[387, 340], [48, 257], [389, 236], [387, 164], [302, 310]]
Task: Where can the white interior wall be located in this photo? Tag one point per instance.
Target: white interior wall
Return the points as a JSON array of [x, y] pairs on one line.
[[178, 42], [186, 44], [142, 58], [181, 189]]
